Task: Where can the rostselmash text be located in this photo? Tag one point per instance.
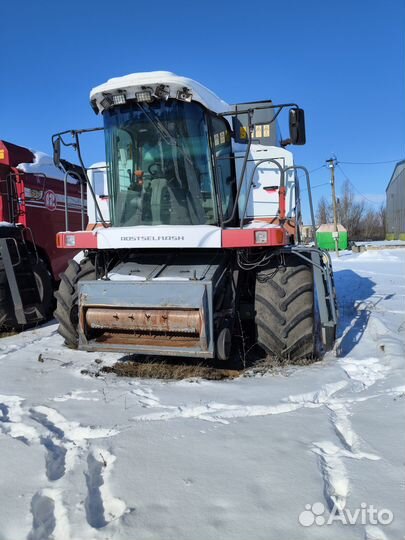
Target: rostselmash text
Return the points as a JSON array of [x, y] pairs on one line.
[[151, 238]]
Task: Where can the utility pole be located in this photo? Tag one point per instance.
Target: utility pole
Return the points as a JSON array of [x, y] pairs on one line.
[[331, 164]]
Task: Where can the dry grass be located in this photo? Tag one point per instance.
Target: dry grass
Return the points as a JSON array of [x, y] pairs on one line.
[[172, 368], [8, 333], [276, 365], [169, 370]]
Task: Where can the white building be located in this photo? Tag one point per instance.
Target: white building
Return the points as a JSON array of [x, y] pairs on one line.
[[395, 204]]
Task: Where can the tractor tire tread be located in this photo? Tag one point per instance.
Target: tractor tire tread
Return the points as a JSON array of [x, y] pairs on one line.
[[285, 314], [67, 298]]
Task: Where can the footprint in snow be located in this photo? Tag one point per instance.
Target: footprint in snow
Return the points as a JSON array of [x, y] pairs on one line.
[[11, 420], [49, 516], [100, 505]]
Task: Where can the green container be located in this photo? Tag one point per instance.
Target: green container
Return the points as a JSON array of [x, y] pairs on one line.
[[326, 240]]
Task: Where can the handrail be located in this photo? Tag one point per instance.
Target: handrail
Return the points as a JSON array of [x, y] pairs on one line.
[[65, 191], [311, 206]]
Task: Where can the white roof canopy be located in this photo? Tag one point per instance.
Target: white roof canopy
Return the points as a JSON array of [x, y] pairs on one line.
[[136, 82]]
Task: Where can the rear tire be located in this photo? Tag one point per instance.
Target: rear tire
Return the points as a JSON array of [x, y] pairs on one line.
[[45, 289], [67, 299], [5, 301], [285, 314]]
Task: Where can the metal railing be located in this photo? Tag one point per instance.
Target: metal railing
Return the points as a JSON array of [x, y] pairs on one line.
[[281, 189], [72, 174]]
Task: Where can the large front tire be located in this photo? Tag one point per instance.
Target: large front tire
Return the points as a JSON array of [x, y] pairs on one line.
[[285, 311], [67, 299]]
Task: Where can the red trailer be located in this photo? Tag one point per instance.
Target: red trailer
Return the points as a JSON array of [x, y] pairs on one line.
[[33, 193]]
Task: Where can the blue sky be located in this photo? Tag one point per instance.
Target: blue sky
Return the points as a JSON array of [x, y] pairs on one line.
[[342, 61]]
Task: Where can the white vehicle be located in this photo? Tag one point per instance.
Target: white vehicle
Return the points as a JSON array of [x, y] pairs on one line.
[[193, 230]]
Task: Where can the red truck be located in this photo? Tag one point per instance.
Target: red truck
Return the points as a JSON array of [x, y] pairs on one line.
[[33, 194]]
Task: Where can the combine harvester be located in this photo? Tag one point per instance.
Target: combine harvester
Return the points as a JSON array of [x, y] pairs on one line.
[[33, 200], [200, 240]]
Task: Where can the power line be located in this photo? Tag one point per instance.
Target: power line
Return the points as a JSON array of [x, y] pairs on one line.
[[301, 175], [353, 186], [317, 185], [370, 162], [320, 185], [317, 169]]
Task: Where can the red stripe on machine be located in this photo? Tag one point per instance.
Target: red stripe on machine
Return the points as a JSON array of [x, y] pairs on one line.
[[79, 240], [235, 238]]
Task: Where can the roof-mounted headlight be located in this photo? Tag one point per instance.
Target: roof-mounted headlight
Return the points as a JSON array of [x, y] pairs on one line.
[[120, 99], [162, 91], [144, 96], [106, 102], [184, 94]]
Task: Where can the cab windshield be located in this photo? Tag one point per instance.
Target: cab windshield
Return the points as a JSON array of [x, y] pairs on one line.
[[159, 164]]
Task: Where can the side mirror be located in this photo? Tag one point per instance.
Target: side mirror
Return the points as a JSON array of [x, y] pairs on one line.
[[56, 151], [297, 126]]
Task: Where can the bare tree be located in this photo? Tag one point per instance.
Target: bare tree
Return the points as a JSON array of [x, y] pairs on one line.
[[324, 211], [351, 212], [360, 221]]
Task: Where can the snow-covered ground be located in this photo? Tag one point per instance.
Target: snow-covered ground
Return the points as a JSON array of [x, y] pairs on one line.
[[108, 458]]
